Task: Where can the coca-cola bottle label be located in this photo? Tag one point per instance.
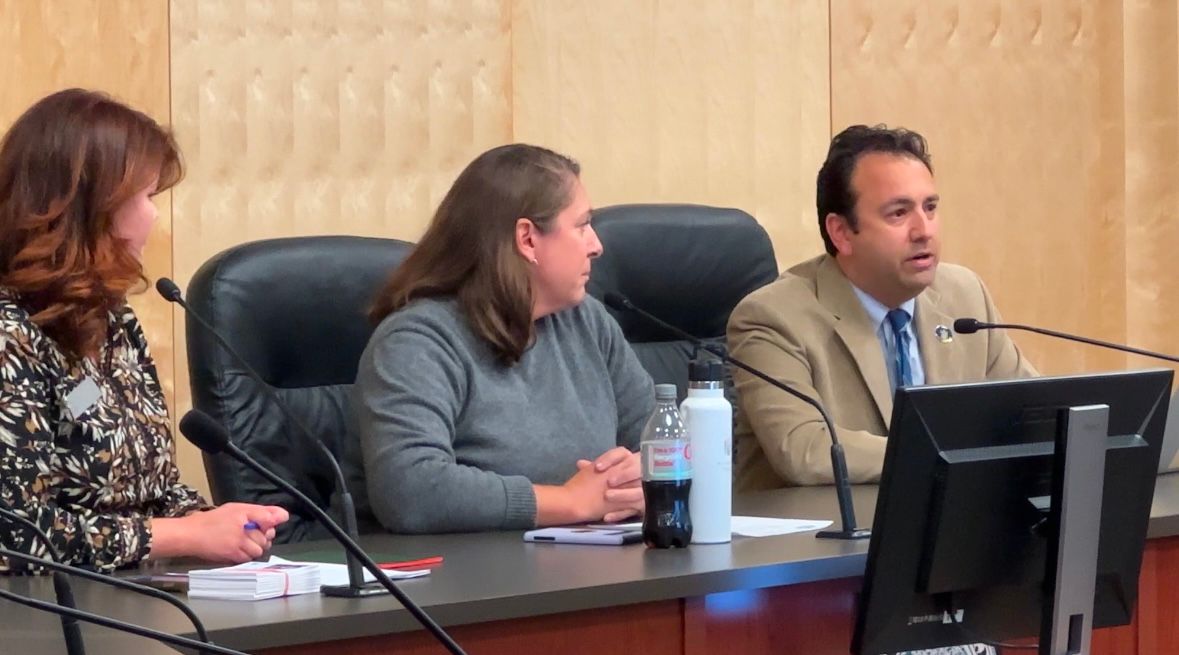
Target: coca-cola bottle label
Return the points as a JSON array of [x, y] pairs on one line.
[[667, 459]]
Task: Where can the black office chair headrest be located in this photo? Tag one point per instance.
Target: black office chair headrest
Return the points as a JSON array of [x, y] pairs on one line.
[[296, 311], [687, 264], [283, 302]]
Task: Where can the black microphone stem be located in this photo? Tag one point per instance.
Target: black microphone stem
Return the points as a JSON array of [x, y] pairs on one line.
[[70, 630], [114, 624], [1073, 337], [356, 551], [847, 510], [58, 567], [211, 437], [266, 389], [356, 584], [700, 343]]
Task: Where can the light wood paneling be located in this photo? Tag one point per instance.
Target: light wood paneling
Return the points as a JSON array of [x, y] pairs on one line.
[[1152, 175], [327, 117], [721, 103], [1021, 102]]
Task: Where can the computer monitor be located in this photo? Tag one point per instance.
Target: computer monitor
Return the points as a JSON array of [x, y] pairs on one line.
[[963, 526]]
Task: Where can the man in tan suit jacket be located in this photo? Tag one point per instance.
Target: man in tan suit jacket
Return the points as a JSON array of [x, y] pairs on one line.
[[811, 329]]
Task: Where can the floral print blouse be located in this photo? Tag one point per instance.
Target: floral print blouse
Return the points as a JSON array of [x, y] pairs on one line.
[[86, 448]]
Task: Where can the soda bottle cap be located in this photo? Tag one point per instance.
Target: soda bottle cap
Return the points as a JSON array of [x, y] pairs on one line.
[[665, 392], [706, 371]]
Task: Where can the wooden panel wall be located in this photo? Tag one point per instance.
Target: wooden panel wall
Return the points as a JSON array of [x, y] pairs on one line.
[[1151, 213], [1054, 124], [1020, 102], [721, 103]]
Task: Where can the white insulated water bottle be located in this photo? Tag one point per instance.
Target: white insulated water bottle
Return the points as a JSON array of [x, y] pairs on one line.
[[708, 419]]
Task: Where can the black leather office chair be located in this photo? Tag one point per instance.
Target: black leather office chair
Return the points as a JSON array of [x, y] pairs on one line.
[[687, 264], [295, 310]]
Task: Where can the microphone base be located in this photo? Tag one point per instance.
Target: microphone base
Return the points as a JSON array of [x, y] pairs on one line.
[[348, 591], [855, 533]]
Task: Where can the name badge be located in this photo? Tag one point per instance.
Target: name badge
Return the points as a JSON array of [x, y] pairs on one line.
[[83, 398]]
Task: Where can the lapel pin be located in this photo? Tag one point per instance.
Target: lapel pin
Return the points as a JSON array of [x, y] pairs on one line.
[[944, 334]]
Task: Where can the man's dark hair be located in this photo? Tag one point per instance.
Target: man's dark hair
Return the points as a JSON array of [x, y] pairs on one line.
[[834, 193]]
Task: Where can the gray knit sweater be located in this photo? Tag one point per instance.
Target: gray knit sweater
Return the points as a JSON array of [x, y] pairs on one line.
[[451, 440]]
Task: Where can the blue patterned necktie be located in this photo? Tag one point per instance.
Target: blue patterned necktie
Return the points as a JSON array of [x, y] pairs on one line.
[[898, 319]]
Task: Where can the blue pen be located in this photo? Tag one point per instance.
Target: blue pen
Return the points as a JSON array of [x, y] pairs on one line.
[[250, 525]]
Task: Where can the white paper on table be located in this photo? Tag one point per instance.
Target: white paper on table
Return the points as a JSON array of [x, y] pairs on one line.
[[332, 575], [749, 526], [757, 526]]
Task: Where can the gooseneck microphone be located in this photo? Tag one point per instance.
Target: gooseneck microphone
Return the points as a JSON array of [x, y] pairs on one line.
[[58, 565], [847, 511], [65, 569], [67, 609], [356, 586], [115, 624], [71, 632], [971, 325], [211, 437]]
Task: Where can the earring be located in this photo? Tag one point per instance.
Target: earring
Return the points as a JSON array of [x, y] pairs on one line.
[[534, 262]]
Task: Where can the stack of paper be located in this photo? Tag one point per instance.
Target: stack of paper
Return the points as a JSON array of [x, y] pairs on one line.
[[254, 581]]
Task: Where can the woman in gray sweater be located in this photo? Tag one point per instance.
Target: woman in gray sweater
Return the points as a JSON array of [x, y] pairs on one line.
[[494, 393]]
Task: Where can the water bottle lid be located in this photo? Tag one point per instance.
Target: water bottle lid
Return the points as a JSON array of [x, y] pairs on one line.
[[665, 392], [706, 371]]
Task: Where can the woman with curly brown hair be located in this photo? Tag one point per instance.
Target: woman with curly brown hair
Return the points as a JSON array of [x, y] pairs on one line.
[[86, 449]]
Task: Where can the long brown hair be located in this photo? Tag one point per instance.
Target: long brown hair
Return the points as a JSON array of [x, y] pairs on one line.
[[469, 249], [65, 166]]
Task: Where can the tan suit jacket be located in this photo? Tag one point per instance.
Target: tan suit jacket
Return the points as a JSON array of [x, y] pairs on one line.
[[809, 330]]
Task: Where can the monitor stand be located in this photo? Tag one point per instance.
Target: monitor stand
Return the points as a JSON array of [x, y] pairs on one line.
[[1071, 570]]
